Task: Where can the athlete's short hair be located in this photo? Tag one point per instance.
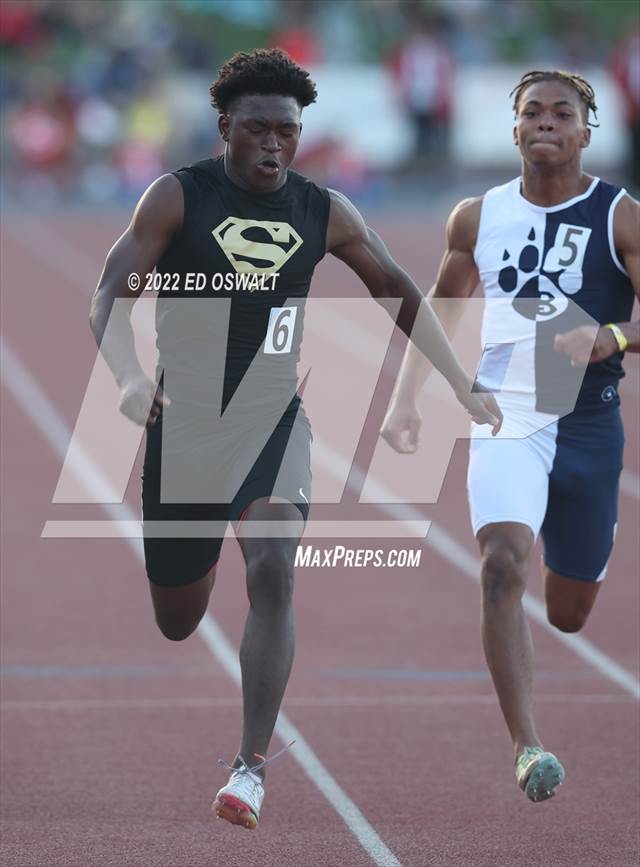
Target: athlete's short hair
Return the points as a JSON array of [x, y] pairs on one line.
[[577, 82], [263, 70]]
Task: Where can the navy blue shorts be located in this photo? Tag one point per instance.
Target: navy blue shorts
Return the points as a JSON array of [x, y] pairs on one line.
[[561, 481], [582, 511]]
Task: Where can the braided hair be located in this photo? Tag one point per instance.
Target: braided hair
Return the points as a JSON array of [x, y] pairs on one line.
[[577, 82]]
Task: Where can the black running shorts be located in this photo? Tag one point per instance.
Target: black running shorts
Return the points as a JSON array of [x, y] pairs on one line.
[[173, 561]]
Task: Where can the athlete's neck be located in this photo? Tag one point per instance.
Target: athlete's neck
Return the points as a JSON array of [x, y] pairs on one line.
[[546, 186]]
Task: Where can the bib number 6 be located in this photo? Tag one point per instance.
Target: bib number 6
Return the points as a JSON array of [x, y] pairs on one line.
[[279, 337]]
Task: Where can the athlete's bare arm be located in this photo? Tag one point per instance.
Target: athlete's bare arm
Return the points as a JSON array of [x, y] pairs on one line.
[[352, 241], [589, 343], [157, 218], [457, 278]]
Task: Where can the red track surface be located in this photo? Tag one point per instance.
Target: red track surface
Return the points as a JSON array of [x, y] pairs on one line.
[[109, 753]]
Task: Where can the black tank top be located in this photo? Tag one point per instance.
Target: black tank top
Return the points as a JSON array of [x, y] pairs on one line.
[[258, 251]]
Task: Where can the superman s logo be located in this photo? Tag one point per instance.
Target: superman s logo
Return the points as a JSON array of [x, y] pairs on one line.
[[256, 246]]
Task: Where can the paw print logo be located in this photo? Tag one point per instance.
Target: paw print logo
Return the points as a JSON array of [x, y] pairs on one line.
[[538, 295]]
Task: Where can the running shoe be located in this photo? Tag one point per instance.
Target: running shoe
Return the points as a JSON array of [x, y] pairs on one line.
[[538, 773], [240, 801]]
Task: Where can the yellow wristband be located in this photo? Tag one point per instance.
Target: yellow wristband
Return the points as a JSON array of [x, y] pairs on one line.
[[621, 340]]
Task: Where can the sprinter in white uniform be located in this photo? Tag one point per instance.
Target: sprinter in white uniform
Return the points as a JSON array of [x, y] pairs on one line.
[[553, 235]]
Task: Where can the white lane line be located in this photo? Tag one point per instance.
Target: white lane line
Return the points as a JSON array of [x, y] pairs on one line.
[[359, 339], [80, 270], [469, 565], [441, 541], [343, 701], [77, 268], [304, 755], [58, 433], [42, 413]]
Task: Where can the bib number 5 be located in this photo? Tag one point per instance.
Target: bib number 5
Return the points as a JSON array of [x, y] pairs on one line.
[[279, 337], [568, 249]]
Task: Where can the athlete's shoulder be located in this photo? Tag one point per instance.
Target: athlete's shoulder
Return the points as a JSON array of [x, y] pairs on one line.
[[161, 206], [341, 204], [346, 223], [467, 209], [626, 225], [207, 172], [463, 226], [463, 223], [296, 180], [508, 188], [315, 197], [164, 187], [628, 208], [606, 188]]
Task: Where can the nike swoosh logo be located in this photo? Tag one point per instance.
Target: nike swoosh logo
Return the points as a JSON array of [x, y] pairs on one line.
[[301, 492]]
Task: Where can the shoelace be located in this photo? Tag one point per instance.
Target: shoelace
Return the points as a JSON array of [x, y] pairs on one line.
[[527, 754], [244, 767]]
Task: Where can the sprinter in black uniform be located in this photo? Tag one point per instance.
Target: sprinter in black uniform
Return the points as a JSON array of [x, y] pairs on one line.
[[255, 230], [257, 252]]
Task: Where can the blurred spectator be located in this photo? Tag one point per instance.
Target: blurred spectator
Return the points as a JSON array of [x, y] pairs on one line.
[[298, 37], [43, 132], [147, 127], [626, 70], [19, 23], [99, 97], [98, 124], [424, 72], [340, 28]]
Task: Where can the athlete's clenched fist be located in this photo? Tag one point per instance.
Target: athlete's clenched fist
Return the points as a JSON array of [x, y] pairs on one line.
[[141, 400]]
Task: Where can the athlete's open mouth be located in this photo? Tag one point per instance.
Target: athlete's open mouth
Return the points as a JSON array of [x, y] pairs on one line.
[[269, 165]]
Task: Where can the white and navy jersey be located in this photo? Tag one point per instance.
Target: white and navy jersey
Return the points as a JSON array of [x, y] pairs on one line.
[[532, 260]]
